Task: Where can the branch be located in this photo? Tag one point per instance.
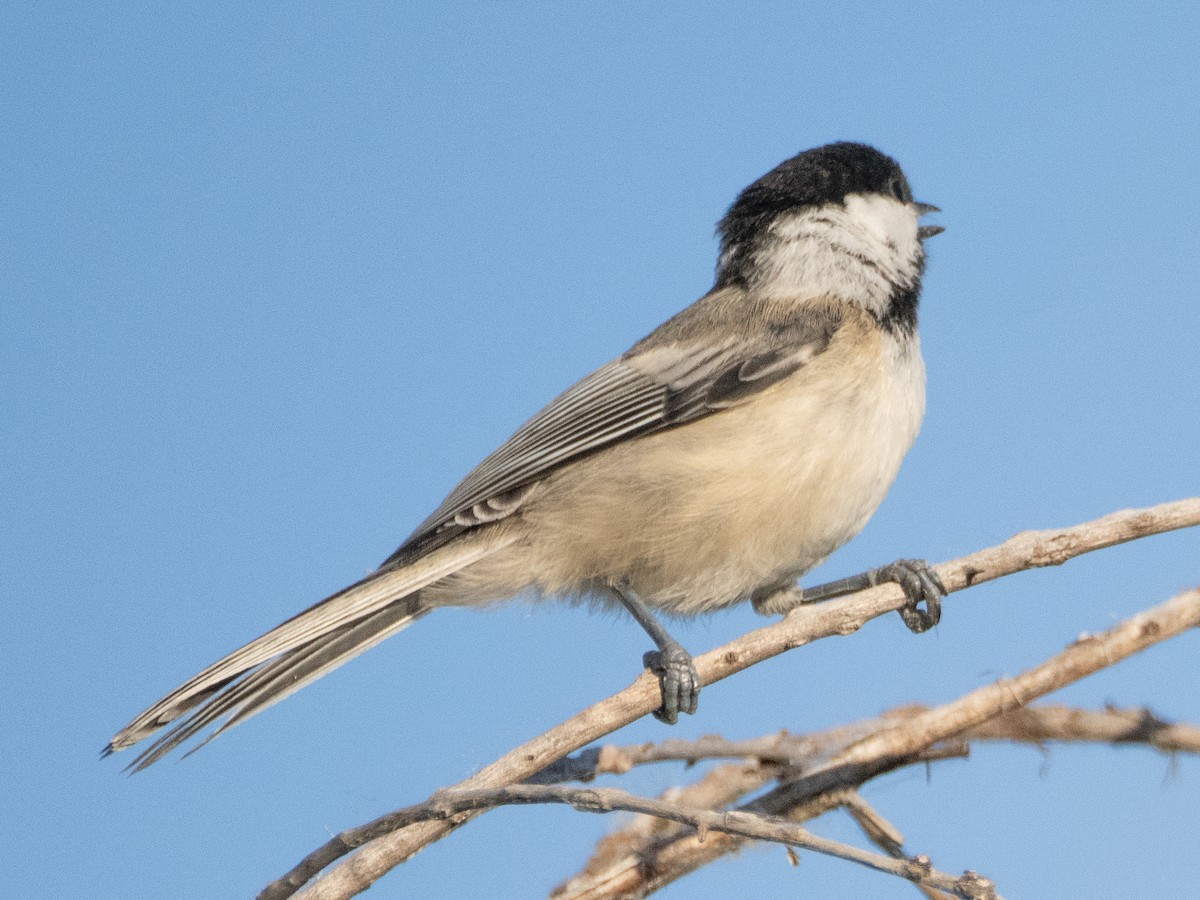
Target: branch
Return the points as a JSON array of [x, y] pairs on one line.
[[1088, 654], [1112, 725], [620, 856], [883, 834], [803, 625], [628, 863], [1033, 725], [647, 868], [781, 748], [447, 805]]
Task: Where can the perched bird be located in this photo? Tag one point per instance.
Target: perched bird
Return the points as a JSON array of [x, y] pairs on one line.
[[716, 461]]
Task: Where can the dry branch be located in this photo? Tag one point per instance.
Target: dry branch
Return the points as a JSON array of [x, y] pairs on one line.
[[640, 844], [803, 625], [648, 867], [884, 835], [644, 844], [1032, 725], [1114, 726], [792, 750], [701, 822], [628, 862]]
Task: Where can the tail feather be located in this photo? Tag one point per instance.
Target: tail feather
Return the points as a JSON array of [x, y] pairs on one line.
[[302, 649], [281, 677]]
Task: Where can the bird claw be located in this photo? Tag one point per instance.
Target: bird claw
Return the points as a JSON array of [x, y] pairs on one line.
[[678, 680], [920, 584]]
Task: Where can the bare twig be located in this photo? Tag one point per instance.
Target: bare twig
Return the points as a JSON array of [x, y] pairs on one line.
[[781, 748], [802, 626], [716, 789], [1115, 726], [1033, 725], [449, 804], [619, 864], [649, 853], [1088, 654], [883, 834], [647, 868]]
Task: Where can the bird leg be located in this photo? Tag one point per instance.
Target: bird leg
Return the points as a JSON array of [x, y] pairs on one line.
[[918, 580], [677, 676]]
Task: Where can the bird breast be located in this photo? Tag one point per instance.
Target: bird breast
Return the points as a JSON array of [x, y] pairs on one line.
[[697, 517]]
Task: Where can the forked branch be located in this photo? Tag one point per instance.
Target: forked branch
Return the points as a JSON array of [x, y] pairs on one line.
[[643, 867], [380, 850]]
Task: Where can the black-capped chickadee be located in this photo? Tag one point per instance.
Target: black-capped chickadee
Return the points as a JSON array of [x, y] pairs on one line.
[[716, 461]]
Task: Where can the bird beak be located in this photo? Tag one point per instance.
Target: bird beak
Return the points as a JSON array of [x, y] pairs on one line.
[[927, 231]]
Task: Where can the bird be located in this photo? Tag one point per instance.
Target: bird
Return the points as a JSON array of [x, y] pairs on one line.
[[715, 462]]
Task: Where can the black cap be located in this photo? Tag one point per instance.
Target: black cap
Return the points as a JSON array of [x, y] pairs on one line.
[[812, 178]]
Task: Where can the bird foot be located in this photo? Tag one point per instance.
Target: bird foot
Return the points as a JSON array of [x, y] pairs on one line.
[[920, 584], [678, 680]]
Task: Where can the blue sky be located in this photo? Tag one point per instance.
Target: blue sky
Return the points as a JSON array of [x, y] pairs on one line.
[[275, 277]]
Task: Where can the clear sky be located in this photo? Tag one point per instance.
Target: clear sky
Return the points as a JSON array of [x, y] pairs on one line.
[[273, 277]]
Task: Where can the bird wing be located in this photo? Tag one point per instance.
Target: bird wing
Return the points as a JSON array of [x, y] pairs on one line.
[[683, 371]]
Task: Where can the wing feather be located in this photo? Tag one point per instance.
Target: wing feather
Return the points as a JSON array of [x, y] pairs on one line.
[[677, 374]]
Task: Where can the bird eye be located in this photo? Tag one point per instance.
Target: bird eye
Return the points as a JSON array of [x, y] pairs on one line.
[[899, 190]]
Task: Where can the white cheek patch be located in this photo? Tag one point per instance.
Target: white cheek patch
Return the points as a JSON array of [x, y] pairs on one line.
[[860, 250], [888, 219]]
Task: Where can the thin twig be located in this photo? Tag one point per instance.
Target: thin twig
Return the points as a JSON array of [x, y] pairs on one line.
[[1088, 654], [1032, 725], [781, 748], [719, 787], [667, 861], [802, 626], [627, 864], [620, 857], [450, 804], [1112, 725], [883, 834]]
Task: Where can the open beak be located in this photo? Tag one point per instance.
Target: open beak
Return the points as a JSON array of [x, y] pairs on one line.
[[927, 231]]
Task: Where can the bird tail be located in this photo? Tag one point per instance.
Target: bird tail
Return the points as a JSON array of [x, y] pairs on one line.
[[300, 650]]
